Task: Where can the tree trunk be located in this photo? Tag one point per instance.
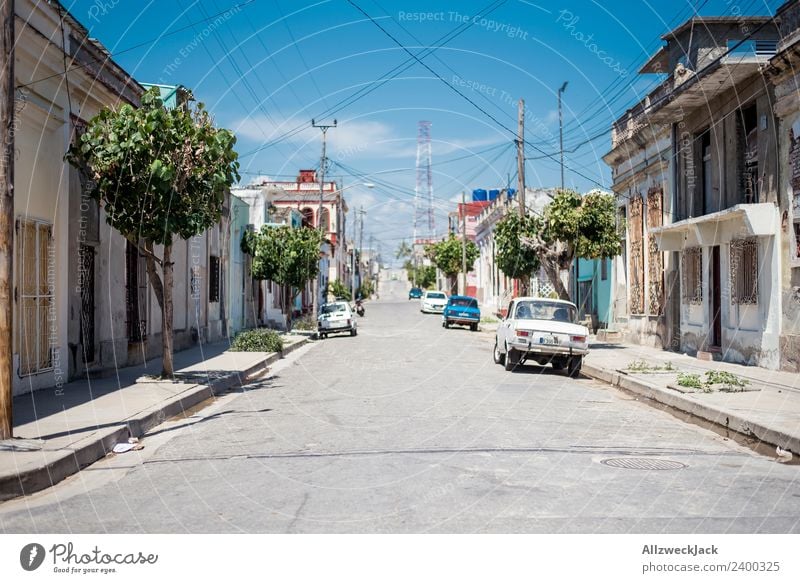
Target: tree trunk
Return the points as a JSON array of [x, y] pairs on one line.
[[524, 285], [167, 369], [289, 302], [553, 272]]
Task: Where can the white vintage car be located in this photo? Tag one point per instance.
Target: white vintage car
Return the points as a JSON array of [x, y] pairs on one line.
[[336, 317], [543, 330]]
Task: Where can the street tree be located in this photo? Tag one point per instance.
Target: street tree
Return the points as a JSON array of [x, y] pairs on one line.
[[516, 260], [285, 255], [447, 256], [159, 174], [572, 226], [423, 275], [403, 250]]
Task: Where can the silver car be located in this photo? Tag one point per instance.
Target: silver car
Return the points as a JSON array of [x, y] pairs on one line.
[[336, 317], [543, 330]]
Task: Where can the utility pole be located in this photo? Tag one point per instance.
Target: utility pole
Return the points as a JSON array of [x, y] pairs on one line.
[[361, 213], [524, 280], [6, 215], [561, 131], [521, 157], [463, 244], [323, 163]]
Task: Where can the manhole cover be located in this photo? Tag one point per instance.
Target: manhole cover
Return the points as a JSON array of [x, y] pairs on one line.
[[642, 463]]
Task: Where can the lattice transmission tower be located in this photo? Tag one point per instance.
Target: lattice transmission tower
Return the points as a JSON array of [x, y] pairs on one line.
[[423, 191]]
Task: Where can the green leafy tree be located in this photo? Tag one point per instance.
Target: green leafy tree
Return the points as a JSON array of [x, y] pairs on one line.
[[403, 250], [514, 259], [337, 289], [287, 256], [159, 173], [423, 276], [572, 226], [447, 256]]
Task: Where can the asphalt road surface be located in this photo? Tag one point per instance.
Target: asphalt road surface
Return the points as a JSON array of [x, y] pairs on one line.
[[409, 427]]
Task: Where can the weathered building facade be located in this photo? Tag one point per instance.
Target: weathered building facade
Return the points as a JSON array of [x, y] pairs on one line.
[[695, 170]]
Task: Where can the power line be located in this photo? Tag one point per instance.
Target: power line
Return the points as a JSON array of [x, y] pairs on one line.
[[152, 41], [462, 95], [383, 79]]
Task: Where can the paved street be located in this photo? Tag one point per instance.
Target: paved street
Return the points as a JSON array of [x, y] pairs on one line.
[[409, 427]]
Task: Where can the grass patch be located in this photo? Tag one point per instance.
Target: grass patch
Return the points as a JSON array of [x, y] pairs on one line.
[[307, 322], [258, 340], [720, 379], [643, 366]]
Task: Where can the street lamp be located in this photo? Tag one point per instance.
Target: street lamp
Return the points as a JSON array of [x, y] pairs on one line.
[[561, 132]]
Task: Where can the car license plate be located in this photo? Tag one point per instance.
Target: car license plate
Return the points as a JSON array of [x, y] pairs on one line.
[[548, 340], [463, 314]]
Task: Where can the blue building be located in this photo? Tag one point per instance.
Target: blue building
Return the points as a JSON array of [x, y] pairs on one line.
[[593, 293]]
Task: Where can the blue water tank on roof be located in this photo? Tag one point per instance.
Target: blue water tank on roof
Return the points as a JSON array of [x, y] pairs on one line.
[[494, 193], [511, 192], [478, 195]]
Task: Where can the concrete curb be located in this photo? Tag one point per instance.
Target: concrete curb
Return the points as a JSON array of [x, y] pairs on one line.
[[61, 464], [717, 415]]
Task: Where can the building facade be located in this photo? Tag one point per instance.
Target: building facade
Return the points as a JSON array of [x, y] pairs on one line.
[[695, 173]]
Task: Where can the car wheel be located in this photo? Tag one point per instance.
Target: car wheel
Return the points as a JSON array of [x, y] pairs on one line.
[[574, 367], [512, 358], [559, 363], [353, 332], [446, 324], [323, 336], [473, 327], [499, 357]]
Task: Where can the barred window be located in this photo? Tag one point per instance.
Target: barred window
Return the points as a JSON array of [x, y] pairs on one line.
[[692, 273], [213, 279], [35, 319], [744, 271]]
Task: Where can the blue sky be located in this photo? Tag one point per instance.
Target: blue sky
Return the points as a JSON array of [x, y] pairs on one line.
[[265, 68]]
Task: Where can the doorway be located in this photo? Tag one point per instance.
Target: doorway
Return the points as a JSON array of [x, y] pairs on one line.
[[715, 332]]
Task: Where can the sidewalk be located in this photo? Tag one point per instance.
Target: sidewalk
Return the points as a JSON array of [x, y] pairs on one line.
[[56, 433], [768, 409]]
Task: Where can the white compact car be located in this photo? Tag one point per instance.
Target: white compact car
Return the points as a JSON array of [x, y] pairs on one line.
[[543, 330], [433, 302], [336, 317]]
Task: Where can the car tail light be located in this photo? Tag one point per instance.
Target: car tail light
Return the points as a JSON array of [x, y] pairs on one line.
[[523, 333], [578, 338], [348, 321]]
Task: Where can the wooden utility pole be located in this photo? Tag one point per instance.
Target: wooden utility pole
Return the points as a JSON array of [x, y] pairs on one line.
[[463, 244], [521, 157], [6, 215], [322, 164], [524, 280]]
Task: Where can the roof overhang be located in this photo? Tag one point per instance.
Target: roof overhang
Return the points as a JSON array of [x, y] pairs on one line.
[[699, 90], [740, 221]]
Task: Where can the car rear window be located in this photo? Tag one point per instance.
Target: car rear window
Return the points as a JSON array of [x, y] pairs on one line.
[[436, 296], [331, 308], [464, 303], [553, 311]]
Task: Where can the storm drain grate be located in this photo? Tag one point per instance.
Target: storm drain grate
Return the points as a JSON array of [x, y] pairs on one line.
[[642, 463]]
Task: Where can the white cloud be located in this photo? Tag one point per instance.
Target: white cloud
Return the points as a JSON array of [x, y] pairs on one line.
[[358, 139]]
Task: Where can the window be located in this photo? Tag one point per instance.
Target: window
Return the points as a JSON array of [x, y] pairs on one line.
[[692, 272], [604, 269], [747, 151], [135, 293], [744, 271], [325, 220], [213, 278], [655, 263], [37, 325], [636, 268]]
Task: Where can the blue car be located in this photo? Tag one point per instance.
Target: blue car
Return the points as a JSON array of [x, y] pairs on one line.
[[415, 293], [462, 310]]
